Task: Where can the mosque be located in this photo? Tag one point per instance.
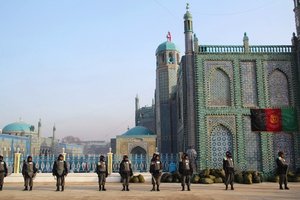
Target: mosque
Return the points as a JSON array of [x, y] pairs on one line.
[[204, 99]]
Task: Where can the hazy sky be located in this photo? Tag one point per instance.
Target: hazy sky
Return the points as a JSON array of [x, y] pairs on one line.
[[80, 63]]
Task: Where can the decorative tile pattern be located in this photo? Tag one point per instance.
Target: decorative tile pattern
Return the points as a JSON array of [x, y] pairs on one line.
[[252, 145], [249, 85], [221, 141], [278, 89], [284, 142]]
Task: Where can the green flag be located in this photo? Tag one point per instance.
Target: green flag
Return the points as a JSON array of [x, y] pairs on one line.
[[289, 119]]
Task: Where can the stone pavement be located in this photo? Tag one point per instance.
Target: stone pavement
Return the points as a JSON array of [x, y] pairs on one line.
[[88, 191]]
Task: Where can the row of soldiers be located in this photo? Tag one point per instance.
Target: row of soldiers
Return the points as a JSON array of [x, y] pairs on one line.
[[60, 171]]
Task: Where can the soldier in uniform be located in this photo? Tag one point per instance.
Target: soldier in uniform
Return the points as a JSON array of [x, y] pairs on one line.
[[125, 171], [156, 171], [228, 167], [102, 172], [282, 169], [3, 171], [60, 170], [186, 171], [29, 171]]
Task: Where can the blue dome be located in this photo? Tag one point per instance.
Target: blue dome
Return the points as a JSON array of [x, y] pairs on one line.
[[138, 131], [166, 46], [17, 127]]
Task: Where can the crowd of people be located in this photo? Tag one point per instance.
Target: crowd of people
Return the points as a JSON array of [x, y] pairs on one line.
[[60, 171]]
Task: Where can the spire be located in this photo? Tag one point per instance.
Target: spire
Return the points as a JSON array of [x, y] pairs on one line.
[[246, 43], [53, 139], [187, 7]]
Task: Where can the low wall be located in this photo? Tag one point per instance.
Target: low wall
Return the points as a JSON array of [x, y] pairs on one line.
[[72, 177]]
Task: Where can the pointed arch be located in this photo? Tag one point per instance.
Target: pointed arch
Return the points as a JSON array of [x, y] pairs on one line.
[[219, 89], [221, 140], [278, 88]]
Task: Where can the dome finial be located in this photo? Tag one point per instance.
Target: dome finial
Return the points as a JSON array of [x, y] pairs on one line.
[[187, 6], [169, 37]]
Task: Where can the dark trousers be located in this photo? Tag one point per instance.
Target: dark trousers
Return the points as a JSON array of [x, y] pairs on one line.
[[60, 181], [282, 180], [186, 179], [28, 181], [1, 178], [156, 179], [229, 177], [101, 178], [125, 179]]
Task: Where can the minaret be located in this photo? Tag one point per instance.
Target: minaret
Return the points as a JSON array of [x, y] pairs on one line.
[[297, 15], [188, 80], [137, 107], [53, 139], [39, 128], [167, 62], [188, 31], [246, 43]]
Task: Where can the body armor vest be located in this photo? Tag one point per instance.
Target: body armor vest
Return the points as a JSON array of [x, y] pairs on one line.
[[126, 166], [102, 166], [60, 167], [2, 166], [230, 162], [186, 165], [157, 165], [30, 167]]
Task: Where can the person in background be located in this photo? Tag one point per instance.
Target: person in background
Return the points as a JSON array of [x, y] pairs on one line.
[[60, 170], [228, 167], [156, 171], [125, 171], [282, 170], [3, 171], [102, 172], [29, 171], [186, 171]]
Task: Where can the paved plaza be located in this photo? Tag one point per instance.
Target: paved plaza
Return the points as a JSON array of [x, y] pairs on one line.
[[88, 191]]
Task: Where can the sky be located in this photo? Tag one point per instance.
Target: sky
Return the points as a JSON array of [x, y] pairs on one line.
[[79, 64]]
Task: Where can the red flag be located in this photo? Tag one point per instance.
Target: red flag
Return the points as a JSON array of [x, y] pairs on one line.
[[273, 120]]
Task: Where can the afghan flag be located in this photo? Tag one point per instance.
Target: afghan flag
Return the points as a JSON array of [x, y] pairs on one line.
[[274, 120]]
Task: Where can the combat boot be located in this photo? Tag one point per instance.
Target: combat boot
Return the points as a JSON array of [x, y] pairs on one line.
[[182, 188], [26, 188], [157, 188], [153, 188], [57, 188], [103, 188], [123, 188], [99, 187], [30, 189], [1, 186], [127, 188], [62, 188], [188, 187]]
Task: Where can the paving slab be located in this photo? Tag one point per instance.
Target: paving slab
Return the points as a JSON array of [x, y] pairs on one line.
[[88, 191]]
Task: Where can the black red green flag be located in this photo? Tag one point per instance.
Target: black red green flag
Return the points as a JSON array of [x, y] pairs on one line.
[[274, 120]]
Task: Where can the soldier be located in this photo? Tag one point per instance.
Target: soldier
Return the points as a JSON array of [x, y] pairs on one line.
[[3, 171], [60, 170], [29, 171], [186, 171], [126, 172], [102, 172], [228, 167], [282, 169], [156, 171]]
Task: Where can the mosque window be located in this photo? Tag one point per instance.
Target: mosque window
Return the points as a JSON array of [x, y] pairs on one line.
[[219, 89], [171, 58], [163, 58]]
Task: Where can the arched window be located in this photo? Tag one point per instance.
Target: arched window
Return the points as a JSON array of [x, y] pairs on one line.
[[278, 89], [219, 89]]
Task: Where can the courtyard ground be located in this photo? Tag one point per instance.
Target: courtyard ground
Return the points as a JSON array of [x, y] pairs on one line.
[[88, 191]]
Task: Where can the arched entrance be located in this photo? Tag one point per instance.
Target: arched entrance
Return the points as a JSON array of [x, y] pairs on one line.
[[221, 141], [139, 161]]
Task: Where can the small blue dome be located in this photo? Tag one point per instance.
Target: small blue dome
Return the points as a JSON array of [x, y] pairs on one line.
[[138, 131], [166, 46], [17, 127]]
